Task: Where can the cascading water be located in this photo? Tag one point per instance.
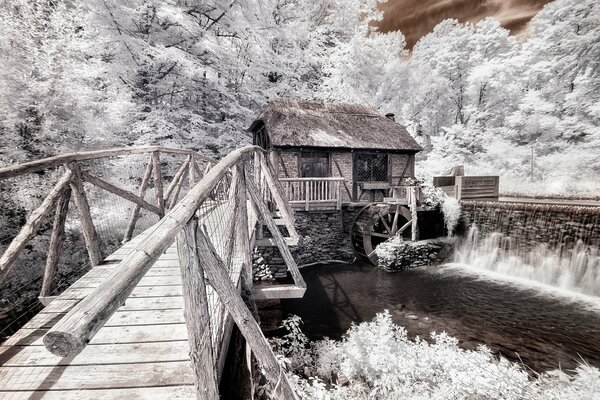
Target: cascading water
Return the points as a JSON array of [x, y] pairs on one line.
[[575, 268]]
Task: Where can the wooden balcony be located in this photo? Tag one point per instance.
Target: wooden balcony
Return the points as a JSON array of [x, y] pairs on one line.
[[313, 193]]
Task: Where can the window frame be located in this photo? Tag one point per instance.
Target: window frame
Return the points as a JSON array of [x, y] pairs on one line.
[[357, 154]]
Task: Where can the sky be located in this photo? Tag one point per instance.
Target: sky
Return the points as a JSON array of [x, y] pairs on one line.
[[416, 18]]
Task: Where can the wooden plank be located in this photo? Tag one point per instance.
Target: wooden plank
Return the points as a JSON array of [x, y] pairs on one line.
[[128, 353], [87, 224], [145, 281], [197, 317], [164, 392], [131, 304], [96, 376], [263, 292], [56, 239], [109, 335], [120, 318], [145, 291], [127, 195], [31, 226]]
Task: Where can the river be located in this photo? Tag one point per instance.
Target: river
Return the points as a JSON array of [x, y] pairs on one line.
[[542, 327]]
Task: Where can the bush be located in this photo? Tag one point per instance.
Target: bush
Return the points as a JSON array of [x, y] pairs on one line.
[[377, 360]]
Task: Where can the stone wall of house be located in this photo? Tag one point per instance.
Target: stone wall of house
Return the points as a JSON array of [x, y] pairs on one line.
[[528, 225], [288, 164], [325, 236]]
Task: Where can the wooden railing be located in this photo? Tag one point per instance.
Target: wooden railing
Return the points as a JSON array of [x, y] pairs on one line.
[[219, 261], [469, 187], [313, 193], [75, 172]]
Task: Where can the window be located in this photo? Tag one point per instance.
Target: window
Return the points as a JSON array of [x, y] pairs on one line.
[[314, 164], [371, 167]]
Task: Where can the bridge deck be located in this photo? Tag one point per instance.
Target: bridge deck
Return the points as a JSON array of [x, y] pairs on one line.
[[141, 352]]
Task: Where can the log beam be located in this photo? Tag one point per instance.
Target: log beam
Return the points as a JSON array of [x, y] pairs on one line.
[[127, 195], [56, 239], [32, 225], [136, 211], [178, 175], [196, 313], [87, 224]]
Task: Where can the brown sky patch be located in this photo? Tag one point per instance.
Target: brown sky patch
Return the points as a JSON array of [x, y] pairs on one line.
[[416, 18]]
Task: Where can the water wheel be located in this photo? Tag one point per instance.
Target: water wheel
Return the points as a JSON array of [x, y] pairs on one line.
[[376, 223]]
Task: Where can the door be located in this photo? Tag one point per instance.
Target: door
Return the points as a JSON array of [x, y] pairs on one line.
[[314, 164]]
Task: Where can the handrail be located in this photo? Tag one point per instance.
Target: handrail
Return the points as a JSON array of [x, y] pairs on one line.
[[50, 162], [70, 335]]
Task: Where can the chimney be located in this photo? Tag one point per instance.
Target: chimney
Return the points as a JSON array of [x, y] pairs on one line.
[[391, 116]]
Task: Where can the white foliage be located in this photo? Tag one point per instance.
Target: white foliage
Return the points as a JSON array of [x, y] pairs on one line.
[[381, 362], [451, 211]]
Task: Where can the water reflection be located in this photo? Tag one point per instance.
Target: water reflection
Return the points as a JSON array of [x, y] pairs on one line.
[[522, 324]]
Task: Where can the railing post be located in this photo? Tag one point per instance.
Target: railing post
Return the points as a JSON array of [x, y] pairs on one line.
[[158, 186], [87, 224], [242, 240], [413, 211], [58, 231], [196, 313], [136, 210], [306, 195], [338, 193]]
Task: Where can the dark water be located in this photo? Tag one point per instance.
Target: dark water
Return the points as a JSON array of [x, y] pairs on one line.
[[542, 331]]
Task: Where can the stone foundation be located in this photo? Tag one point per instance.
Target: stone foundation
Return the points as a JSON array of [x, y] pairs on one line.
[[324, 237]]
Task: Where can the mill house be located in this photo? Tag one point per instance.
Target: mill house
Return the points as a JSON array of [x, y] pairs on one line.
[[328, 155]]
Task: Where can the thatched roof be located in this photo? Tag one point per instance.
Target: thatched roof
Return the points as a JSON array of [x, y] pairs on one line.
[[292, 123]]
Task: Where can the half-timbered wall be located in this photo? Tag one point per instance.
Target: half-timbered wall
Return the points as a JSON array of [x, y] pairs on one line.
[[286, 163], [402, 163]]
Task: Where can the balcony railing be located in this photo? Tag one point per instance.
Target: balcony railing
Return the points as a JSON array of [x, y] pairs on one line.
[[313, 193]]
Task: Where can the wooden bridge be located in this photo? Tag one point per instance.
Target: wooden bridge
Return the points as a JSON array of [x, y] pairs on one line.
[[153, 318]]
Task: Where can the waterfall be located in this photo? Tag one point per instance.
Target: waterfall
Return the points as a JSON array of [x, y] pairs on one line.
[[575, 268]]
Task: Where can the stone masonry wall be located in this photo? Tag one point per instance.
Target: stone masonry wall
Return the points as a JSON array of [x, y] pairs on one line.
[[324, 237], [531, 224]]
